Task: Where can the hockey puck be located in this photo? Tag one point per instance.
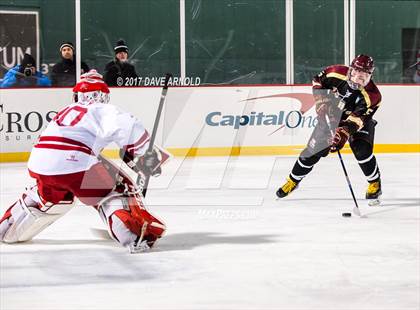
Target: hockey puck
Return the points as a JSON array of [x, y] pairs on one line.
[[346, 214]]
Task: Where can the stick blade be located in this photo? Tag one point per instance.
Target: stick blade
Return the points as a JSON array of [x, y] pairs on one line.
[[356, 211]]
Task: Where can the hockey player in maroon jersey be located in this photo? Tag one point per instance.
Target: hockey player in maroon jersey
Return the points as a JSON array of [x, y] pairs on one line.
[[346, 98], [66, 164]]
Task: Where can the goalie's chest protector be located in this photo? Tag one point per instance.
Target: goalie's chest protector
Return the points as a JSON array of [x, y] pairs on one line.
[[77, 134]]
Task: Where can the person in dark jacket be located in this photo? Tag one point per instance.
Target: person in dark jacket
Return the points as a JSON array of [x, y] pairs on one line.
[[118, 70], [25, 75], [64, 72]]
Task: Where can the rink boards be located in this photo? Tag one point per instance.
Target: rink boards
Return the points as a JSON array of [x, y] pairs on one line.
[[212, 121]]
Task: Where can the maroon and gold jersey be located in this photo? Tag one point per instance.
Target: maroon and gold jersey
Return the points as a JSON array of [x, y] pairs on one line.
[[360, 104]]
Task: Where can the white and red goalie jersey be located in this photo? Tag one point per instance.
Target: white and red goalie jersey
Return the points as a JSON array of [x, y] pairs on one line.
[[65, 165], [78, 133]]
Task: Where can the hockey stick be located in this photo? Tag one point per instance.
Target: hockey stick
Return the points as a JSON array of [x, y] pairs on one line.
[[143, 183], [356, 209]]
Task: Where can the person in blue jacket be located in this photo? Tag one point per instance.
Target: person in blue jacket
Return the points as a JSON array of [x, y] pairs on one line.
[[25, 75]]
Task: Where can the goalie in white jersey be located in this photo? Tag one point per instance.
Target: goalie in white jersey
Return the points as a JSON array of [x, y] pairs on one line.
[[66, 164]]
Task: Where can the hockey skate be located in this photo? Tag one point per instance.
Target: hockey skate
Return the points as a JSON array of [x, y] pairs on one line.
[[287, 188], [145, 241], [373, 193]]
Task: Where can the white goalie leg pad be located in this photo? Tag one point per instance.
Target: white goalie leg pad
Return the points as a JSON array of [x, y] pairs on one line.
[[29, 216], [116, 228]]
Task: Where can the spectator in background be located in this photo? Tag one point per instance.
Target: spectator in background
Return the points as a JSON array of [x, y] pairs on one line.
[[25, 75], [119, 69], [64, 72]]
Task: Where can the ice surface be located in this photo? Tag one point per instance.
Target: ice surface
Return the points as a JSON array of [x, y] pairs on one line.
[[230, 244]]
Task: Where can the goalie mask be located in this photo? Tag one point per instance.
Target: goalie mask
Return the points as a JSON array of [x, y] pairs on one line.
[[360, 71], [91, 89]]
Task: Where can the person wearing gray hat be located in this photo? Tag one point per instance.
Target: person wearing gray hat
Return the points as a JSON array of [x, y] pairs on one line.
[[118, 70], [64, 72]]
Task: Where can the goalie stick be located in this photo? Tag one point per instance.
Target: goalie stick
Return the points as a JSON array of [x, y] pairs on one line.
[[143, 181], [356, 209]]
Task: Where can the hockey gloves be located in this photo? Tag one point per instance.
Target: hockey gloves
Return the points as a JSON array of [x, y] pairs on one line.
[[323, 104], [149, 163], [339, 139]]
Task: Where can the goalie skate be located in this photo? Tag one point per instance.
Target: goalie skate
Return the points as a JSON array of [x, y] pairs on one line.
[[138, 248]]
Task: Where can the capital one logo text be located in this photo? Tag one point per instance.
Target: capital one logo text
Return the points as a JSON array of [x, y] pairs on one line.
[[291, 119]]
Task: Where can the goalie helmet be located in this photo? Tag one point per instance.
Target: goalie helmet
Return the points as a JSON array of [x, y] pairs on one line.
[[360, 72], [91, 89]]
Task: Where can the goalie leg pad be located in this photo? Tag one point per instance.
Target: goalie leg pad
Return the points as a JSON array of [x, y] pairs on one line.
[[128, 221], [30, 215]]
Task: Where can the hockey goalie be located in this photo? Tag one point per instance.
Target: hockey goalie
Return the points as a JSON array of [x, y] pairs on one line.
[[66, 164]]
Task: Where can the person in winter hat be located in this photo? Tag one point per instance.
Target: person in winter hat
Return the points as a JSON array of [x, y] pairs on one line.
[[118, 70], [64, 72]]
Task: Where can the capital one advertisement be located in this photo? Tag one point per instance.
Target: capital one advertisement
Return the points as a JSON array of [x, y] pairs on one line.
[[192, 117], [238, 117], [207, 117]]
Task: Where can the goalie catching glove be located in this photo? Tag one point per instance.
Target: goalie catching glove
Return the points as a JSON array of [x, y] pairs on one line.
[[147, 164], [150, 163]]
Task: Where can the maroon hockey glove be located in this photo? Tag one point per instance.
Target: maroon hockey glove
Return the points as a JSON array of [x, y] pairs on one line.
[[322, 104], [340, 138]]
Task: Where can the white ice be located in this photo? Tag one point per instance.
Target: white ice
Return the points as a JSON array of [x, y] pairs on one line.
[[230, 244]]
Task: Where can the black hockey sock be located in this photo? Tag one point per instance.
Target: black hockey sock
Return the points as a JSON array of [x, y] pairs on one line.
[[363, 151], [370, 168], [302, 168]]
